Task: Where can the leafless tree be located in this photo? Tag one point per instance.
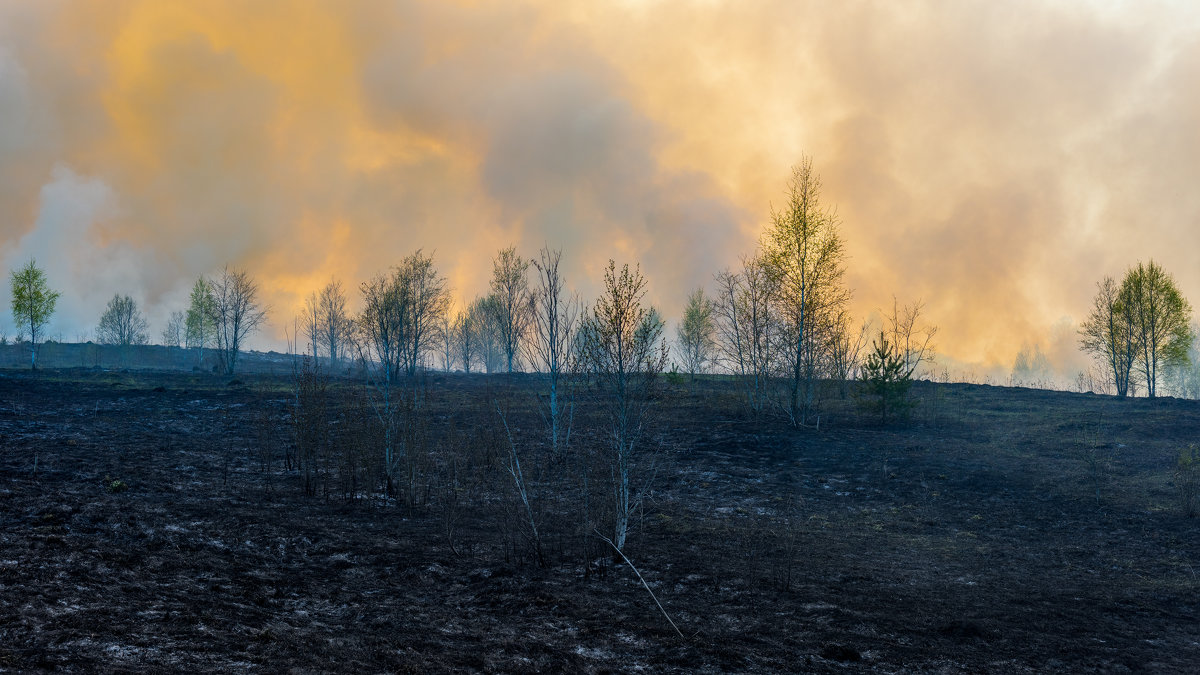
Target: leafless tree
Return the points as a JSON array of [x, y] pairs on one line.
[[747, 329], [326, 322], [488, 342], [628, 353], [464, 338], [172, 335], [236, 314], [309, 326], [549, 347], [401, 311], [845, 350], [122, 323], [910, 336], [429, 296], [444, 340], [396, 326], [1109, 334], [512, 303]]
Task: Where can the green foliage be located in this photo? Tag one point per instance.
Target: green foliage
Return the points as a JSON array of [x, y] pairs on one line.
[[885, 381], [200, 322], [1140, 328], [1161, 319], [805, 257], [32, 304], [116, 485], [695, 334]]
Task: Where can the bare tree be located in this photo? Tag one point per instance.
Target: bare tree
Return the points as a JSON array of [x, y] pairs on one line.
[[845, 350], [401, 311], [429, 299], [911, 338], [747, 329], [236, 314], [488, 342], [695, 333], [326, 322], [512, 304], [1108, 333], [122, 323], [464, 338], [805, 254], [443, 334], [172, 335], [549, 347], [381, 323], [627, 353], [309, 326]]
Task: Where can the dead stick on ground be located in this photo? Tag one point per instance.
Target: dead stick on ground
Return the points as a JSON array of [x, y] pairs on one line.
[[639, 576]]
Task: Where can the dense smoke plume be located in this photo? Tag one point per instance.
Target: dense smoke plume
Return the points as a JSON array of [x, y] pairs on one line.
[[993, 159]]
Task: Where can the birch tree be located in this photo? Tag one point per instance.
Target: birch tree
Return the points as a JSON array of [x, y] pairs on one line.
[[200, 323], [805, 254], [237, 313], [747, 329], [1161, 321], [1108, 334], [553, 328], [122, 323], [695, 333], [512, 302], [627, 353], [32, 305]]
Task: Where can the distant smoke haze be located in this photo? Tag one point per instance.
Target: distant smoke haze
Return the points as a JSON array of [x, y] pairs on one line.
[[993, 159]]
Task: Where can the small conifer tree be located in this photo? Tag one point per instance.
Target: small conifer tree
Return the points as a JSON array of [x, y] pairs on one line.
[[885, 381]]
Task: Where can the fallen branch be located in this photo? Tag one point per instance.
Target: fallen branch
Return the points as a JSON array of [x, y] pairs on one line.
[[639, 576]]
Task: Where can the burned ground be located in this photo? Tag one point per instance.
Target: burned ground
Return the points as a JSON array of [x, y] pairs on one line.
[[151, 521]]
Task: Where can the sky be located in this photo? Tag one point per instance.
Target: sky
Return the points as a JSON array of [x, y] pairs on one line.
[[992, 160]]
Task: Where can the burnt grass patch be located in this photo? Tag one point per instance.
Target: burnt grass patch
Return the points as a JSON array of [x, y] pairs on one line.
[[160, 521]]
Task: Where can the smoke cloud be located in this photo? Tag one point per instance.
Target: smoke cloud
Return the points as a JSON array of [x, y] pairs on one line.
[[992, 159]]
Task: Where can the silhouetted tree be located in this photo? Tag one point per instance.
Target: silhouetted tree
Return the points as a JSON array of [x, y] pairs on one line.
[[172, 335], [326, 322], [236, 314], [747, 329], [554, 317], [464, 338], [122, 323], [512, 303]]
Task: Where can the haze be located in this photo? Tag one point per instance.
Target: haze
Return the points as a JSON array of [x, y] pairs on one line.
[[992, 159]]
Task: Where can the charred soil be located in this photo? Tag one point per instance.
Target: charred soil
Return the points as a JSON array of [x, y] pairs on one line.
[[162, 521]]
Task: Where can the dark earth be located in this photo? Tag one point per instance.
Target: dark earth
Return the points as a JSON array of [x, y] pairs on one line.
[[160, 521]]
